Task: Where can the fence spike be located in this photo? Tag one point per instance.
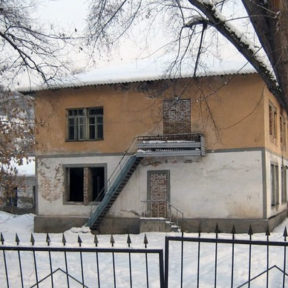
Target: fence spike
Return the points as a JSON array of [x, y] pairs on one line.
[[145, 240], [2, 238], [112, 241], [267, 231], [17, 240], [96, 240], [48, 239], [233, 231], [129, 240], [285, 234], [79, 241], [250, 231], [32, 240], [63, 239]]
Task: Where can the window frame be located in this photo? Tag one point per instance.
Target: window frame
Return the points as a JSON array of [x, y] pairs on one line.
[[273, 125], [283, 132], [86, 197], [82, 122], [283, 184], [274, 172]]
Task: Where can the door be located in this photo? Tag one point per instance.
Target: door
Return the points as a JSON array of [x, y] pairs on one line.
[[158, 193]]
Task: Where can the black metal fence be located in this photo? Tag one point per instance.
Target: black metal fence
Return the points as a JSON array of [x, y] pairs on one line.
[[32, 266], [224, 260], [233, 262]]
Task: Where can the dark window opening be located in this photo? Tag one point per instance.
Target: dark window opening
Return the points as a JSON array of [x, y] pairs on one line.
[[85, 184], [97, 185], [76, 184]]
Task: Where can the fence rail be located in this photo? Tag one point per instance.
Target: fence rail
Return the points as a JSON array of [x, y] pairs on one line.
[[33, 266], [263, 267], [226, 260]]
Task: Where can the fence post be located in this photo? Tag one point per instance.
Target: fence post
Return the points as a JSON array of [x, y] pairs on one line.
[[166, 261]]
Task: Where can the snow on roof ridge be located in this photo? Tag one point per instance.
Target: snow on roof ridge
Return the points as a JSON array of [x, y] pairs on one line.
[[138, 71]]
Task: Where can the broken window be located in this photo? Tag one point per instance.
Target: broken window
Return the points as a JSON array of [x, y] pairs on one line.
[[176, 116], [85, 184], [85, 124]]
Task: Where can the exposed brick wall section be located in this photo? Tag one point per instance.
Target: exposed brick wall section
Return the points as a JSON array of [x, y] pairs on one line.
[[158, 187], [176, 116]]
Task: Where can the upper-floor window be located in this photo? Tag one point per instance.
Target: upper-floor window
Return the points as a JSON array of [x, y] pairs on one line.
[[282, 132], [273, 122], [85, 124]]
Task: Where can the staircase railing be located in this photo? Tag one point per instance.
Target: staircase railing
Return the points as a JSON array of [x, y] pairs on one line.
[[173, 214], [117, 170], [116, 173]]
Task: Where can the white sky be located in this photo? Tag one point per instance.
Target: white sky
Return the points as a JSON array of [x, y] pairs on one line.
[[71, 14]]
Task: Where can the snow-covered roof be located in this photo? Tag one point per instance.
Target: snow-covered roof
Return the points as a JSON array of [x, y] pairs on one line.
[[145, 70]]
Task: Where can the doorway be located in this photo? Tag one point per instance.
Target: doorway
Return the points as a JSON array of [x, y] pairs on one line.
[[158, 193]]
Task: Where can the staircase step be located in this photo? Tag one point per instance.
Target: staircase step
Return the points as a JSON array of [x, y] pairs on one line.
[[115, 192]]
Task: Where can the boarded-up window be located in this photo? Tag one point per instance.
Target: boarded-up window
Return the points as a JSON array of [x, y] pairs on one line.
[[176, 116], [158, 193]]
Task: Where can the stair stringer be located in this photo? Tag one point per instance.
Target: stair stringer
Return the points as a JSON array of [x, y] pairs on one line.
[[113, 192]]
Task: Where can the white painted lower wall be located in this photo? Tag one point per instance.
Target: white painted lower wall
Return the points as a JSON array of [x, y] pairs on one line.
[[219, 185]]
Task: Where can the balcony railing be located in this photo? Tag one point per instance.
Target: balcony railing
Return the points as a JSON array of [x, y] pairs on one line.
[[190, 144]]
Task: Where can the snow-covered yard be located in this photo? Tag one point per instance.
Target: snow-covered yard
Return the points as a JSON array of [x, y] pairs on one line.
[[23, 226]]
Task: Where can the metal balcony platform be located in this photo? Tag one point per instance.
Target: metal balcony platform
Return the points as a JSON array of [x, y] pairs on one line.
[[171, 145]]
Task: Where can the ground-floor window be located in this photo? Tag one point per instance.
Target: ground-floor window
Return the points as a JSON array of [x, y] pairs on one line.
[[283, 184], [85, 184], [274, 185]]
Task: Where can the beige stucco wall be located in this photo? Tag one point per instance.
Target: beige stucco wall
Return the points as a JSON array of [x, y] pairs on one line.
[[228, 110]]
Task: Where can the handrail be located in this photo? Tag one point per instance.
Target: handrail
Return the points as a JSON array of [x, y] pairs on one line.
[[170, 215], [115, 173]]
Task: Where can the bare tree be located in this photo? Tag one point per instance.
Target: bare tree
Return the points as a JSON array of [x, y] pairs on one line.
[[26, 50], [25, 47], [111, 19], [270, 20]]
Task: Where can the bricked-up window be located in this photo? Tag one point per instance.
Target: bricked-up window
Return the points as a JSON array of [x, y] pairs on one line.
[[282, 132], [177, 116], [84, 184], [274, 185], [85, 124], [273, 122]]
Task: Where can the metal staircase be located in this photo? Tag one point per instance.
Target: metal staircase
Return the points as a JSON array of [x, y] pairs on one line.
[[113, 188]]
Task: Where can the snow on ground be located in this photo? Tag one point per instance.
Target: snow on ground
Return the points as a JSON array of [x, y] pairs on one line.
[[23, 225]]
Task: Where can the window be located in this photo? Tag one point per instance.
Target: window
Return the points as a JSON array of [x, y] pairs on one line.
[[274, 185], [283, 184], [85, 184], [273, 123], [85, 124], [282, 132]]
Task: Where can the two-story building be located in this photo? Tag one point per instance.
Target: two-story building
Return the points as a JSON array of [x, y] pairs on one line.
[[113, 150]]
